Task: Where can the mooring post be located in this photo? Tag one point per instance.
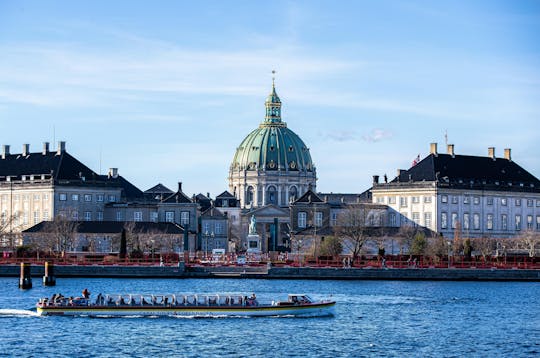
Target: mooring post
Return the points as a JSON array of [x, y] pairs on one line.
[[25, 280], [48, 277]]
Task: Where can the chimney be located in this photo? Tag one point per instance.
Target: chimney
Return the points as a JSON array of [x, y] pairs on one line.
[[450, 149], [179, 186], [25, 149], [375, 179], [400, 171], [508, 154], [61, 147], [113, 173], [45, 148], [5, 151], [433, 148], [491, 152]]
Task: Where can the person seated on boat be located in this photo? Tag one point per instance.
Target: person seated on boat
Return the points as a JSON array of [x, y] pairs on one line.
[[99, 299], [131, 301], [143, 301], [86, 293], [295, 300], [165, 301], [120, 301]]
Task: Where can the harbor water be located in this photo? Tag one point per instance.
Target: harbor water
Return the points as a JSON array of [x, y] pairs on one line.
[[373, 318]]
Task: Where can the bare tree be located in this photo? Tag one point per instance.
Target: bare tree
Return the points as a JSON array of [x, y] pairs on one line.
[[61, 234], [484, 245], [530, 241], [8, 238], [235, 235], [407, 233], [351, 229]]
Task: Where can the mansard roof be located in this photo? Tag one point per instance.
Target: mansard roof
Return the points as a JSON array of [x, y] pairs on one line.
[[472, 172], [112, 227], [63, 169]]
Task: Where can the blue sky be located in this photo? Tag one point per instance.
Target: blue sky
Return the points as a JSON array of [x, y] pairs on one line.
[[166, 90]]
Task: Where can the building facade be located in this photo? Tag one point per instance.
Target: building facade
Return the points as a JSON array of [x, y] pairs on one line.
[[465, 196]]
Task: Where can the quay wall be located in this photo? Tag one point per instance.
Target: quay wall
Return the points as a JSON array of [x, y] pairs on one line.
[[439, 274]]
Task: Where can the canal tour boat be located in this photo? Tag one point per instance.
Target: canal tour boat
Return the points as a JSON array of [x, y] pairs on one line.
[[190, 305]]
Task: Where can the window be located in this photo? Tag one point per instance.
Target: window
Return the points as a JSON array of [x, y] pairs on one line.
[[45, 215], [538, 222], [87, 197], [100, 216], [537, 203], [466, 221], [318, 219], [476, 200], [416, 218], [184, 218], [391, 200], [219, 228], [466, 199], [427, 199], [489, 225], [154, 216], [518, 222], [169, 216], [455, 199], [112, 198], [99, 197], [4, 198], [415, 199], [490, 201], [444, 220], [16, 198], [25, 218], [380, 200], [302, 219], [444, 199], [137, 216], [118, 216], [25, 197], [45, 196], [403, 202], [334, 218], [87, 216], [74, 197], [62, 197], [518, 202], [392, 219], [504, 202], [504, 222], [476, 221], [36, 217], [75, 215], [454, 220], [427, 219], [36, 197], [529, 222], [529, 203]]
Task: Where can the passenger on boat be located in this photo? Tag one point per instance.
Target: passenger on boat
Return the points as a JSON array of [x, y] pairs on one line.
[[86, 293], [99, 299]]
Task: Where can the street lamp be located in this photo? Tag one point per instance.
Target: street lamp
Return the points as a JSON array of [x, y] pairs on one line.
[[206, 244]]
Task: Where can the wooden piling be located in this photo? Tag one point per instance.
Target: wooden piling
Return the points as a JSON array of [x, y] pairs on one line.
[[25, 279], [48, 278]]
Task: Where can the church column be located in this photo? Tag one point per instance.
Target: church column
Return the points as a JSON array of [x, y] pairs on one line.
[[263, 195], [278, 194]]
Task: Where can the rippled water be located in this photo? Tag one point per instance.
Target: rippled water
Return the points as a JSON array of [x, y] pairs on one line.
[[373, 318]]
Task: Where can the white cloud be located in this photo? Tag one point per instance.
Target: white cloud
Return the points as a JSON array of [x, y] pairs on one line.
[[377, 135]]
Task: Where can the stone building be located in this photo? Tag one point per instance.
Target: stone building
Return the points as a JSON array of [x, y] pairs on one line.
[[468, 196]]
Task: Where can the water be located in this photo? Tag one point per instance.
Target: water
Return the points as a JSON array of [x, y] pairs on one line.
[[373, 318]]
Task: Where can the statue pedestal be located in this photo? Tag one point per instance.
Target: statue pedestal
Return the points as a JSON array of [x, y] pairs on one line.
[[254, 243]]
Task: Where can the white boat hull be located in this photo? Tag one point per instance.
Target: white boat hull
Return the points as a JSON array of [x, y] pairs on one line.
[[309, 310]]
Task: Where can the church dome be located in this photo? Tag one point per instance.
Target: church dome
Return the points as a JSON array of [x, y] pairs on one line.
[[272, 146]]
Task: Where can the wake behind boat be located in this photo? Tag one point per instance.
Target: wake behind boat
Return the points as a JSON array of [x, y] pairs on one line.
[[192, 305]]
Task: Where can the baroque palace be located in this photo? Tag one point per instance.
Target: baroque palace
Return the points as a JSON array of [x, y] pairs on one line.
[[272, 183]]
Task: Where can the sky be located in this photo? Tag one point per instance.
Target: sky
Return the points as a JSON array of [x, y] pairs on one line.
[[167, 90]]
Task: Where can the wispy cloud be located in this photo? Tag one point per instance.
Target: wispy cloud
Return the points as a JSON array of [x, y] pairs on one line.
[[377, 135]]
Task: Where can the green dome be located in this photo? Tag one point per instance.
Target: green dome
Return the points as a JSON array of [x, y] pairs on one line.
[[273, 146]]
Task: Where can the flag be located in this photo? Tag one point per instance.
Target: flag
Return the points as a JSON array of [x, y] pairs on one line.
[[416, 161]]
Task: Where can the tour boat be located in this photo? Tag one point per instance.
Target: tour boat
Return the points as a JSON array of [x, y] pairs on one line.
[[191, 305]]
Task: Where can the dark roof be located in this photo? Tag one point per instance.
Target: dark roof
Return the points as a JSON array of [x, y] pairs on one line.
[[178, 197], [159, 189], [213, 213], [111, 227], [309, 197], [225, 195], [343, 198], [61, 166], [464, 171], [63, 169]]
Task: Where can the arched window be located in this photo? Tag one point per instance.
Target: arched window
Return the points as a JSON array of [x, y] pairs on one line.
[[271, 195], [293, 194], [249, 195]]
